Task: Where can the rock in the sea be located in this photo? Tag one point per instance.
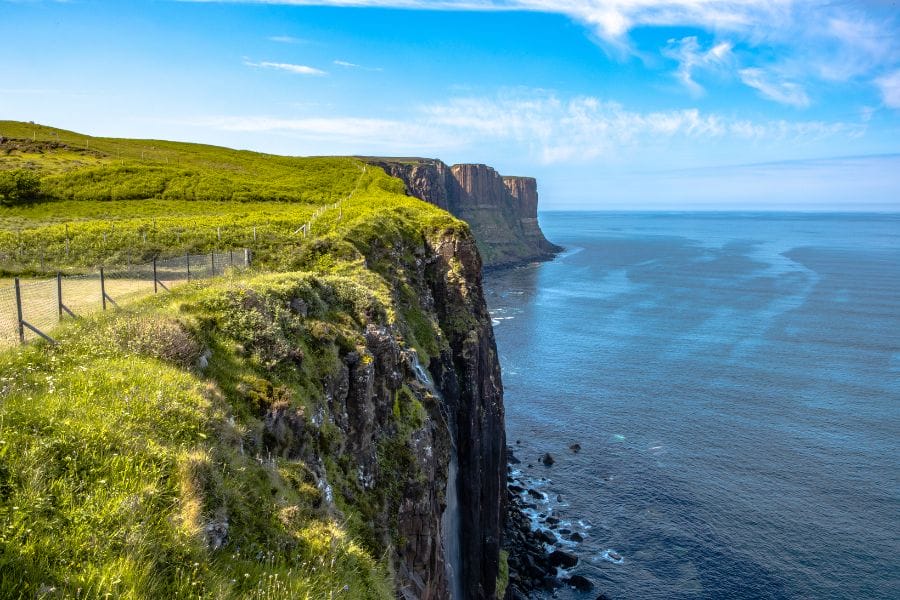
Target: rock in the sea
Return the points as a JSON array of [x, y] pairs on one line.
[[535, 494], [547, 459], [575, 448], [546, 536], [576, 537], [561, 558], [579, 582]]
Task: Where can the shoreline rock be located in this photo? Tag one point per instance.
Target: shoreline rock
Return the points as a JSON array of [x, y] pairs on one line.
[[539, 560]]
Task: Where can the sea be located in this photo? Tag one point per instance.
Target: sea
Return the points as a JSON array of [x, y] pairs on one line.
[[733, 381]]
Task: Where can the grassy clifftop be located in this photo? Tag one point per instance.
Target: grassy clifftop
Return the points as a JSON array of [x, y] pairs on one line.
[[189, 446]]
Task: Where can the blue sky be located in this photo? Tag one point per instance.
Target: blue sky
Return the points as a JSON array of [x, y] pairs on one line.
[[614, 104]]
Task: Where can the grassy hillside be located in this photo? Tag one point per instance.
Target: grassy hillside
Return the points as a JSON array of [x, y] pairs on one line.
[[112, 201], [79, 167], [128, 469]]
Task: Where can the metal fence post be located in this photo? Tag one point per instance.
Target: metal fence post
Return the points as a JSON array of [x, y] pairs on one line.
[[155, 279], [103, 287], [19, 325], [246, 257], [231, 257], [212, 263], [187, 261], [59, 302]]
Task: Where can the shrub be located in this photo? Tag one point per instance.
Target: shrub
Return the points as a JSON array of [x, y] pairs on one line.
[[20, 186]]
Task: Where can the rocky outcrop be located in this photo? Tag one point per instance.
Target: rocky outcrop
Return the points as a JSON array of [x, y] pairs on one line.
[[502, 211]]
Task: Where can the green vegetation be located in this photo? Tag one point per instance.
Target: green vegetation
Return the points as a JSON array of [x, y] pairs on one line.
[[18, 186], [503, 575], [128, 469], [73, 166]]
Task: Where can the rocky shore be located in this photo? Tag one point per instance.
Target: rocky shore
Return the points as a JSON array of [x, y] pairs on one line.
[[542, 544]]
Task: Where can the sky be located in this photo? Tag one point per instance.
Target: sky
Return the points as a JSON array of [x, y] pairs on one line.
[[611, 104]]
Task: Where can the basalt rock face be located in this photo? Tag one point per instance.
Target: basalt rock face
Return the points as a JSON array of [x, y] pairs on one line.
[[462, 399], [469, 378], [502, 211]]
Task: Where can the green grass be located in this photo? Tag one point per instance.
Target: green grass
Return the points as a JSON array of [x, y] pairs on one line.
[[79, 167], [120, 458]]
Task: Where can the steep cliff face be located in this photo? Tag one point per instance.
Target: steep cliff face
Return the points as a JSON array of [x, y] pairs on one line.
[[425, 385], [502, 211]]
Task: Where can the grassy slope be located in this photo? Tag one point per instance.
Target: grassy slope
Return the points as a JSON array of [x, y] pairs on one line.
[[118, 200], [119, 458]]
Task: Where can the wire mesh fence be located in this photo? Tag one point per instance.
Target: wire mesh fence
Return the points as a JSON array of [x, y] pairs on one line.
[[32, 308]]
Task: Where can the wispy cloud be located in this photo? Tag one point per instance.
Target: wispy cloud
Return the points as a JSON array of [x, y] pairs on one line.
[[548, 128], [289, 67], [832, 42], [890, 89], [691, 57], [783, 92], [350, 65], [286, 39]]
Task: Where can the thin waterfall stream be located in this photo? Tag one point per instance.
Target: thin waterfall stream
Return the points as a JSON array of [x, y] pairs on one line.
[[450, 520]]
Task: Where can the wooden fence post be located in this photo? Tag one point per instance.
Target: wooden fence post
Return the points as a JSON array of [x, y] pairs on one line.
[[103, 287], [19, 324], [155, 279]]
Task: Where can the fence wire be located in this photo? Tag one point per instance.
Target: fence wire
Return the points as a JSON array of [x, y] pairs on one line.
[[44, 302]]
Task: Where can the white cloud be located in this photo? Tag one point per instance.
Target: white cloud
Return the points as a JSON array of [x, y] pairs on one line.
[[833, 42], [290, 68], [610, 19], [890, 89], [783, 92], [350, 65], [286, 39], [544, 126], [691, 57]]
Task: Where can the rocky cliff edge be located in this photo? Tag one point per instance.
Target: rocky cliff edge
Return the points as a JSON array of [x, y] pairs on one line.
[[501, 210]]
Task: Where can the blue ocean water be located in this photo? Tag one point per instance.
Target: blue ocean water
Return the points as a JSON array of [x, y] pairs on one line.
[[734, 382]]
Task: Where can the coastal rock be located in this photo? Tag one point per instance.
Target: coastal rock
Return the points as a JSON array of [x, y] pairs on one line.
[[579, 582], [547, 459], [575, 448], [561, 558]]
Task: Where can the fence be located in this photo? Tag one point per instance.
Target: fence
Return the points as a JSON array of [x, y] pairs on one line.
[[31, 308]]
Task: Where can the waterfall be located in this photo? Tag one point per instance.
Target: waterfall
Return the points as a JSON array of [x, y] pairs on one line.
[[450, 520]]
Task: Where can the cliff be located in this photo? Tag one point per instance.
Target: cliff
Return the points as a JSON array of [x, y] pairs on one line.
[[502, 211], [330, 425]]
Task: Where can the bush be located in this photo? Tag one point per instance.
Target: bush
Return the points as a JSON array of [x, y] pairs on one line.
[[19, 187]]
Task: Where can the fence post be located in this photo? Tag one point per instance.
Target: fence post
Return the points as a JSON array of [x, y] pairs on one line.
[[187, 261], [19, 324], [212, 263], [59, 303], [231, 257], [103, 287], [155, 279], [246, 257]]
